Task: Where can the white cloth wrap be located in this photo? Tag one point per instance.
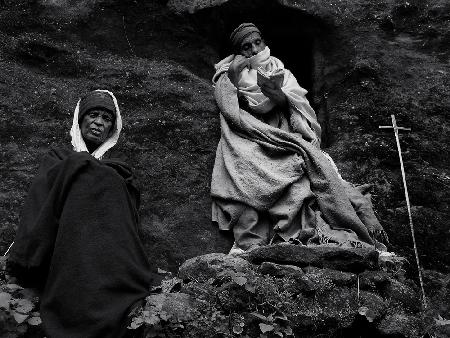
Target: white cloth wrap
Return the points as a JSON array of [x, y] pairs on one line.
[[77, 138]]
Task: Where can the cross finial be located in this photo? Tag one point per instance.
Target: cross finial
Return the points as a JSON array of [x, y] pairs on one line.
[[394, 126]]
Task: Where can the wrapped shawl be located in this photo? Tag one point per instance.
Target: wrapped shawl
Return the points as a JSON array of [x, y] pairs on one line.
[[273, 170], [78, 240], [302, 117]]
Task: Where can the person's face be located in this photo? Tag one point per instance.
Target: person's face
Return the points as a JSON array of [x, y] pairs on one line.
[[252, 45], [96, 126]]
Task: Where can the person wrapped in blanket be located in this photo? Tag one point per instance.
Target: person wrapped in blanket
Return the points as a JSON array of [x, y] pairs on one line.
[[271, 182], [77, 241]]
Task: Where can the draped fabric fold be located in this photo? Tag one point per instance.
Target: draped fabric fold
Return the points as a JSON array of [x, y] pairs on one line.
[[283, 175], [79, 235]]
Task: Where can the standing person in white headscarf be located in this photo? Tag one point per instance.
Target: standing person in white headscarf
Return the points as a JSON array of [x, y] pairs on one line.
[[77, 240], [271, 182]]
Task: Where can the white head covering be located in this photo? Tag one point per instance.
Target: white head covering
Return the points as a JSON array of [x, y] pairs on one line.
[[78, 141]]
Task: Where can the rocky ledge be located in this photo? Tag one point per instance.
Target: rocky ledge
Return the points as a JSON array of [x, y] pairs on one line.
[[292, 291], [272, 291]]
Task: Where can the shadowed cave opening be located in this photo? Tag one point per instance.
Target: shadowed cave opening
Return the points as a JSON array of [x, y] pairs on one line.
[[301, 41]]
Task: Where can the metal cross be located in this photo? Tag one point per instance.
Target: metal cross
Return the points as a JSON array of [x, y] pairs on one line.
[[396, 129]]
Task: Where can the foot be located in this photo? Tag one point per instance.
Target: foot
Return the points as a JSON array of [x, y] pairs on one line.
[[235, 250]]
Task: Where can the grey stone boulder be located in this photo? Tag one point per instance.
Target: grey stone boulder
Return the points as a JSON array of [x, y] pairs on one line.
[[403, 294], [400, 325], [344, 259], [177, 306], [210, 266], [315, 7], [373, 280], [302, 283]]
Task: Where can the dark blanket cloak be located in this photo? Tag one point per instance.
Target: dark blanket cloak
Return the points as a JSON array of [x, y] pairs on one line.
[[78, 240]]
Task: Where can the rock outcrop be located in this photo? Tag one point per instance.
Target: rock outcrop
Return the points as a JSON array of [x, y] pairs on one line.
[[296, 297]]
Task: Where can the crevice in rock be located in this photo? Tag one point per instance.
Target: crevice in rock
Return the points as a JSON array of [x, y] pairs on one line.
[[307, 45]]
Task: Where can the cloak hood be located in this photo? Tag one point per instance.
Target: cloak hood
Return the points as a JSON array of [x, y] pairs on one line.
[[77, 139]]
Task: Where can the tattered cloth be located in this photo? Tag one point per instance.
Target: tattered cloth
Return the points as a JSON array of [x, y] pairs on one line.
[[78, 240], [278, 172]]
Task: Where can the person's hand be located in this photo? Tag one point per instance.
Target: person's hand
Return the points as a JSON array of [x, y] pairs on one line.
[[236, 67], [315, 142], [274, 93]]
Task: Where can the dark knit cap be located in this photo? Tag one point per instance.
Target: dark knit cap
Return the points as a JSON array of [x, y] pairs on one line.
[[241, 32], [96, 100]]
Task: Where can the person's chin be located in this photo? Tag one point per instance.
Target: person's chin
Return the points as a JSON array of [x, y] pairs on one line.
[[94, 139]]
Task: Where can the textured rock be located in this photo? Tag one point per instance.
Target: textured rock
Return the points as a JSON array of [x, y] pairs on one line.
[[375, 304], [401, 293], [310, 301], [180, 6], [352, 260], [400, 325], [339, 278], [279, 270], [314, 7], [210, 266], [179, 306], [302, 283], [373, 280]]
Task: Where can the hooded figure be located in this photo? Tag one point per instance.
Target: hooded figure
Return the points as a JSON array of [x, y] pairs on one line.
[[102, 100], [77, 240], [271, 182]]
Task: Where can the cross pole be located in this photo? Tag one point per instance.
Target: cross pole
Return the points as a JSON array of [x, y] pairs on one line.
[[9, 248], [397, 139]]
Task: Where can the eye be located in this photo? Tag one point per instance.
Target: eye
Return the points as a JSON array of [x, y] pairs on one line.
[[107, 117], [93, 114], [258, 42], [246, 46]]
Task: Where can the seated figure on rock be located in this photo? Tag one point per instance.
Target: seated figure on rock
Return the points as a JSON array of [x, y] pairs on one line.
[[271, 182], [77, 241]]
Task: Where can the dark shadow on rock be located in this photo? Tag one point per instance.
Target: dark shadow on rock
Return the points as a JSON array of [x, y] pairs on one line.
[[351, 260]]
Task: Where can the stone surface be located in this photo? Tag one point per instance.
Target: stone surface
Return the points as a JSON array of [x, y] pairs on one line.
[[181, 6], [352, 260], [231, 294], [401, 293], [279, 270], [209, 266], [302, 283], [373, 280], [400, 325], [339, 278], [333, 307]]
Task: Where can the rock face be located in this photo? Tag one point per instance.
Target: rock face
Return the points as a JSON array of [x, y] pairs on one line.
[[232, 296], [326, 257], [360, 60]]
